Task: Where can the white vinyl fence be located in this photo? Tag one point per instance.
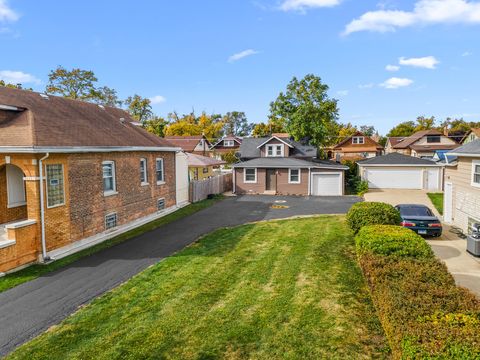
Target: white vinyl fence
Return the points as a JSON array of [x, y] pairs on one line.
[[199, 190]]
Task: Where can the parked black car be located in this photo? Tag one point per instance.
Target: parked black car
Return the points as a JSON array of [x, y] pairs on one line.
[[420, 219]]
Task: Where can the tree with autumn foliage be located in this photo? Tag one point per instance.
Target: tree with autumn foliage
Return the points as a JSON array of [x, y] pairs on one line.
[[209, 125], [274, 125]]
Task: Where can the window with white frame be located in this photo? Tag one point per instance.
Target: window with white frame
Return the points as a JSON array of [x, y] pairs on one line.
[[159, 171], [109, 182], [476, 173], [250, 175], [294, 176], [55, 185], [275, 150], [228, 143], [358, 140], [143, 172]]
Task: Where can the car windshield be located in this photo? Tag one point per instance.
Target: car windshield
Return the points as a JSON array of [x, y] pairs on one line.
[[415, 211]]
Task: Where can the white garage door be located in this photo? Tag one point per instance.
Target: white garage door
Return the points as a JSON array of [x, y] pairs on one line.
[[327, 184], [394, 178]]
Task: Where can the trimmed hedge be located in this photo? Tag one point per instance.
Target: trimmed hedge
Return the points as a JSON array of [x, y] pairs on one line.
[[424, 314], [392, 240], [372, 213]]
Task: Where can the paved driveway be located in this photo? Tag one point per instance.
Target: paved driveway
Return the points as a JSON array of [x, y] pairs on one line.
[[451, 249], [31, 308]]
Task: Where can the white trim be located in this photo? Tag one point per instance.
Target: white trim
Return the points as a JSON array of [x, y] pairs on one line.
[[159, 182], [299, 176], [340, 182], [309, 192], [9, 108], [399, 165], [6, 243], [474, 164], [277, 138], [63, 182], [114, 190], [11, 205], [245, 176], [20, 224], [82, 149], [358, 138], [274, 148], [232, 142], [464, 155]]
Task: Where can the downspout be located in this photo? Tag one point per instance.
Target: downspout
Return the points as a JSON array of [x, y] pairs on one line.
[[233, 179], [309, 179], [42, 209]]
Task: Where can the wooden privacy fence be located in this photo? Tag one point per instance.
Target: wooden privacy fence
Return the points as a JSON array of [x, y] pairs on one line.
[[199, 190]]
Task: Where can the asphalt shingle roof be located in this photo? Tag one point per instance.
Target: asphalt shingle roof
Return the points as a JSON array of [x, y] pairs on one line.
[[396, 159], [280, 162], [249, 148], [472, 148]]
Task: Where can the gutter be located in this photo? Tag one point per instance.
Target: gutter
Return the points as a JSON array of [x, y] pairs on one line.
[[42, 209], [81, 149]]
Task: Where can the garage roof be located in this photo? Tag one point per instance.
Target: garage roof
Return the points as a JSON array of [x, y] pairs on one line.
[[471, 149], [396, 159], [278, 162]]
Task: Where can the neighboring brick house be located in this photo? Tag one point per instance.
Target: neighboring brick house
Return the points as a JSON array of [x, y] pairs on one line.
[[356, 147], [195, 144], [462, 187], [422, 144], [279, 165], [230, 143], [101, 174]]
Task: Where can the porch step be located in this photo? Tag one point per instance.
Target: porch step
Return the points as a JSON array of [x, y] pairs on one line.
[[269, 192]]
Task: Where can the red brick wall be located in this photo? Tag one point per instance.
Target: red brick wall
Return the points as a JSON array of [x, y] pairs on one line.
[[6, 214]]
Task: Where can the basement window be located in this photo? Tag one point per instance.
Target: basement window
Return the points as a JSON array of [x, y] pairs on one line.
[[55, 185], [160, 204], [110, 221]]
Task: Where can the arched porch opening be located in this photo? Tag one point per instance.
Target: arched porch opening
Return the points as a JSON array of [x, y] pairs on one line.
[[13, 198]]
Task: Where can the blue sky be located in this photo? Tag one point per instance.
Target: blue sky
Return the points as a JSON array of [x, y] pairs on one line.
[[219, 56]]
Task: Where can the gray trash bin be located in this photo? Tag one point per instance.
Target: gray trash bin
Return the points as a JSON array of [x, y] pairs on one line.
[[473, 241]]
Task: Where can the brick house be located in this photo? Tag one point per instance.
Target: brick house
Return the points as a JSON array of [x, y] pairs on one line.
[[355, 147], [73, 174], [462, 187], [281, 166], [422, 144]]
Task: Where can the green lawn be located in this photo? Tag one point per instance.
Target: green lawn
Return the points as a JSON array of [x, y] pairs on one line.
[[437, 201], [286, 289], [32, 272]]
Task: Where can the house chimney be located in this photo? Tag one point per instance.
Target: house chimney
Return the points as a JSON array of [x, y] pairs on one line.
[[445, 130]]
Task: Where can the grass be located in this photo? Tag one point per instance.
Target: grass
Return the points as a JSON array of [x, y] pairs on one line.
[[437, 201], [34, 271], [286, 289]]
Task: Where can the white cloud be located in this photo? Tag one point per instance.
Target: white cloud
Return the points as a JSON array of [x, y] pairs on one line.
[[366, 86], [157, 99], [17, 77], [395, 83], [466, 53], [242, 54], [6, 13], [427, 62], [425, 12], [303, 5], [392, 68], [343, 92]]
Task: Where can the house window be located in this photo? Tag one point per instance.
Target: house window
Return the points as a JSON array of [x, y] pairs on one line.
[[476, 173], [358, 140], [205, 170], [160, 204], [110, 221], [228, 143], [55, 188], [294, 176], [433, 139], [143, 172], [109, 185], [250, 176], [160, 172], [274, 150]]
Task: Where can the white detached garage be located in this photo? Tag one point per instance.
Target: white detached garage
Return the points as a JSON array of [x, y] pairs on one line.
[[397, 171]]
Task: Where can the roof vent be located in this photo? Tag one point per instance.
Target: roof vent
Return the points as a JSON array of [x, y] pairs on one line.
[[122, 120], [101, 106], [45, 96]]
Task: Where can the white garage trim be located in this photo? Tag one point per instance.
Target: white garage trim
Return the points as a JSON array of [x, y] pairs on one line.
[[338, 191]]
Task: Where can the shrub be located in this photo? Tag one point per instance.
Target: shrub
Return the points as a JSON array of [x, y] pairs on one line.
[[362, 187], [372, 213], [424, 314], [390, 240]]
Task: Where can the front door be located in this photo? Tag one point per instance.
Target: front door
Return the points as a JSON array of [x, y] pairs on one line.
[[271, 183]]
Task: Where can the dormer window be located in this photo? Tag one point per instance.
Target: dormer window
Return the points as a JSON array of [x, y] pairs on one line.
[[432, 139], [358, 140], [228, 143], [275, 150]]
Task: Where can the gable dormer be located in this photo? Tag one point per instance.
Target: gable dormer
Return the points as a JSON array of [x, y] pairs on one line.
[[275, 147]]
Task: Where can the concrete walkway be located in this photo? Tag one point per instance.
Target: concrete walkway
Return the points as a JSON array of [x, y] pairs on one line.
[[449, 248], [29, 309]]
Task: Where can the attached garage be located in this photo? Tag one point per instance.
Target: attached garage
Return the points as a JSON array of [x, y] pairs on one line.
[[397, 171], [327, 184]]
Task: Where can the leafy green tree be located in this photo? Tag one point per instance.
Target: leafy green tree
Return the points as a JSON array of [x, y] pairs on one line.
[[209, 125], [236, 123], [368, 130], [425, 123], [13, 86], [72, 84], [307, 109], [274, 125], [108, 97], [139, 108], [345, 131], [156, 126], [403, 129]]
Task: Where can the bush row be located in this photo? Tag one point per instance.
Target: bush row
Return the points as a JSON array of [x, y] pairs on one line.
[[424, 314], [372, 213]]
